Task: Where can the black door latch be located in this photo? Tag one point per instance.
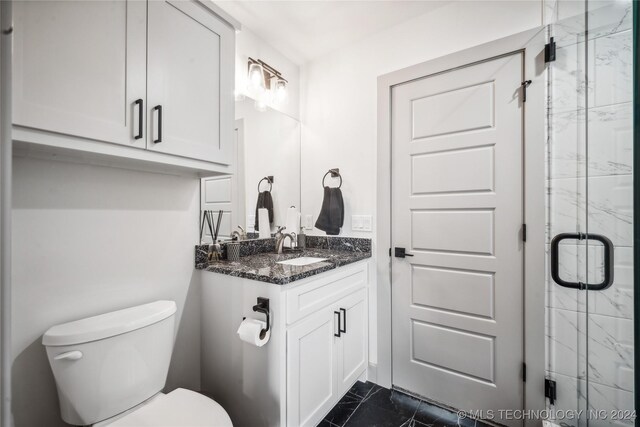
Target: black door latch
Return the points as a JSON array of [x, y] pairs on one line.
[[401, 253]]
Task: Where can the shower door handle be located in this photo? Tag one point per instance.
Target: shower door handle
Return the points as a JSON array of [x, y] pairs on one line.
[[607, 281], [608, 261]]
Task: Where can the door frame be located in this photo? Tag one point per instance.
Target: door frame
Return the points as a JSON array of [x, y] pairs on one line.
[[531, 44]]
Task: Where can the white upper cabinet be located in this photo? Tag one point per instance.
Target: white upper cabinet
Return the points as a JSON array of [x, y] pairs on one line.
[[79, 68], [154, 75], [190, 93]]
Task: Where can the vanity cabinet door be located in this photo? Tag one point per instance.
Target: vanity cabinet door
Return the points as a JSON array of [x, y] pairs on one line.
[[190, 82], [352, 351], [311, 368], [79, 67]]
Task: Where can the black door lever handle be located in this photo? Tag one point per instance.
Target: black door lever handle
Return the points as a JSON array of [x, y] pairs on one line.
[[401, 253]]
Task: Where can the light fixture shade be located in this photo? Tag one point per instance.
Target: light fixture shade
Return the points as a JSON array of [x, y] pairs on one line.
[[281, 90], [256, 77]]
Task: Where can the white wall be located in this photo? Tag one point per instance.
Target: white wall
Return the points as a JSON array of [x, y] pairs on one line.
[[339, 98], [248, 45], [90, 239]]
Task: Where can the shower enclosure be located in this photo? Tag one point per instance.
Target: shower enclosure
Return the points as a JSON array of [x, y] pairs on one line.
[[590, 195]]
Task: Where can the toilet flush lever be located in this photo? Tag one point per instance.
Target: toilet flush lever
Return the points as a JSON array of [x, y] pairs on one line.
[[70, 355]]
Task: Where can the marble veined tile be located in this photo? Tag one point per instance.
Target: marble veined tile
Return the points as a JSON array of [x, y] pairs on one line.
[[610, 207], [571, 397], [566, 200], [569, 24], [567, 343], [609, 62], [611, 69], [610, 350], [610, 142], [568, 88], [572, 267], [607, 400], [615, 301]]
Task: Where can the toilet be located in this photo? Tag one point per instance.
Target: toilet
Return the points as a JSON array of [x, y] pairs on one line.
[[110, 370]]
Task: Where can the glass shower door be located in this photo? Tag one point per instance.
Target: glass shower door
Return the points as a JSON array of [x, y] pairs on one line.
[[590, 206]]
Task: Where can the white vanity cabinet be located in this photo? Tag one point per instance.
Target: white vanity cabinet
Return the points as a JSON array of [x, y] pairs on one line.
[[151, 81], [326, 353], [317, 351]]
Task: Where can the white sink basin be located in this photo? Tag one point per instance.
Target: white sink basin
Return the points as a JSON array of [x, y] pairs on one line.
[[303, 260]]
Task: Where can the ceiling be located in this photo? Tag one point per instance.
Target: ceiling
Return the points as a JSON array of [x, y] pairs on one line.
[[304, 30]]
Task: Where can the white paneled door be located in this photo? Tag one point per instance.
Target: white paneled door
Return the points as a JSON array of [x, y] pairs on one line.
[[457, 210]]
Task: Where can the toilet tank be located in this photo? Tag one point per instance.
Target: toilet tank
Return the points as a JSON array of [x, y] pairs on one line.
[[107, 364]]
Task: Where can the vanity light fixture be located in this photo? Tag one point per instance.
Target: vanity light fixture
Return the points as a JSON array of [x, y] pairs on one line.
[[266, 84], [256, 76], [281, 90]]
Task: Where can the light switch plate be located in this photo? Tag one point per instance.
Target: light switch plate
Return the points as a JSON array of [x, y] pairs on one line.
[[356, 222], [361, 222], [367, 223]]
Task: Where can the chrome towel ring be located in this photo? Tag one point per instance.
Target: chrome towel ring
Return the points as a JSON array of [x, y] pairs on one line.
[[335, 173], [269, 179]]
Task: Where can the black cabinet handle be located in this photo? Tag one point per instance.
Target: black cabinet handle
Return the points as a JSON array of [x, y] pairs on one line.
[[401, 253], [339, 328], [608, 261], [159, 109], [140, 105], [344, 321]]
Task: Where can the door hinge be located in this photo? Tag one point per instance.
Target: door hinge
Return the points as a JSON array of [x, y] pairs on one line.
[[524, 372], [389, 251], [524, 232], [550, 390], [550, 51], [525, 84]]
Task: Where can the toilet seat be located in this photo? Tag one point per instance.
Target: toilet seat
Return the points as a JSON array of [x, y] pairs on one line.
[[180, 408]]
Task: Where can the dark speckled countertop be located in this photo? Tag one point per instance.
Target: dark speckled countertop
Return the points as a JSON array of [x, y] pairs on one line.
[[264, 267]]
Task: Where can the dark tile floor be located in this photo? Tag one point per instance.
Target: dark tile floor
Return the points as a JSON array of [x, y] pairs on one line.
[[369, 405]]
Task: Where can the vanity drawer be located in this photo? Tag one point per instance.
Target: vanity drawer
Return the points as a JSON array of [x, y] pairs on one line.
[[310, 297]]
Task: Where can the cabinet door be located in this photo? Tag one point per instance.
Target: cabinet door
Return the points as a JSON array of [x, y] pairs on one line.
[[311, 369], [190, 82], [352, 346], [79, 67]]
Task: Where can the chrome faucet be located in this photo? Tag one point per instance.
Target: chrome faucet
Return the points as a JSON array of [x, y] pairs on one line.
[[280, 237], [239, 235]]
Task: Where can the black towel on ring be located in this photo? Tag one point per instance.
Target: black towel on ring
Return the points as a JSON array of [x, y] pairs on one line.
[[331, 216], [264, 202]]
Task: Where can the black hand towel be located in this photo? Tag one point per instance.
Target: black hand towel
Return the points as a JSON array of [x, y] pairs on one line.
[[331, 216], [264, 201]]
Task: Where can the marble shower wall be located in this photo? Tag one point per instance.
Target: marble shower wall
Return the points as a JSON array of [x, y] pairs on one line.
[[590, 188]]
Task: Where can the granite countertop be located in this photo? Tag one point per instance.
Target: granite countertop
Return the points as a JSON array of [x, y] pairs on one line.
[[263, 266]]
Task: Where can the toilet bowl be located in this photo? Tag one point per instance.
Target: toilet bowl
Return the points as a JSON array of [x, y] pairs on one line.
[[180, 408], [110, 370]]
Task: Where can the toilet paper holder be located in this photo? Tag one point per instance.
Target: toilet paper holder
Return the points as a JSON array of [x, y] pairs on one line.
[[263, 307]]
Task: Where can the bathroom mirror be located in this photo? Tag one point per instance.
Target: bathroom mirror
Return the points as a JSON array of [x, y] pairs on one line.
[[267, 144]]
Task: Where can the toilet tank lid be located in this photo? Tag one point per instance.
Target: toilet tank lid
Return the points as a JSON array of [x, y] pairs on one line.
[[108, 324]]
